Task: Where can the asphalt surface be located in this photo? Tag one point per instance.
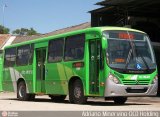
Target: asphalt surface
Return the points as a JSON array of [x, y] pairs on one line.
[[8, 101]]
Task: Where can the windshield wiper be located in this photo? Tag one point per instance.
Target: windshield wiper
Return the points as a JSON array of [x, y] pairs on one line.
[[128, 58], [131, 51], [144, 61]]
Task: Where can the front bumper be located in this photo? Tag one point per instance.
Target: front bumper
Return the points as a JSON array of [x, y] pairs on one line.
[[115, 90]]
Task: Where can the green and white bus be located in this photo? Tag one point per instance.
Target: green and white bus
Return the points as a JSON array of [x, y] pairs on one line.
[[110, 62]]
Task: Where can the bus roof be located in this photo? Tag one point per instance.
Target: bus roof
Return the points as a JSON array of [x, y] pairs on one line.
[[97, 29]]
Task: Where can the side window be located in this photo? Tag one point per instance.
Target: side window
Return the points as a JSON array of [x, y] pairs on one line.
[[10, 57], [55, 50], [23, 55], [74, 47], [31, 54]]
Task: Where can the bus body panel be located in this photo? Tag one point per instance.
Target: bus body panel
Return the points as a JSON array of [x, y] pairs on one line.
[[12, 75], [26, 73], [56, 80], [54, 77]]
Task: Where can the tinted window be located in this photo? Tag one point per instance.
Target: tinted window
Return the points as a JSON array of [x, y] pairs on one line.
[[31, 54], [74, 48], [24, 55], [10, 57], [55, 52]]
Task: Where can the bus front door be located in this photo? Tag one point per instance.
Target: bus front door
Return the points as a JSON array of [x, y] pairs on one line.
[[40, 70], [94, 63]]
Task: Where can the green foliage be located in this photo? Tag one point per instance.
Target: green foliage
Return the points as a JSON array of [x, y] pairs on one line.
[[4, 30], [25, 31], [32, 31]]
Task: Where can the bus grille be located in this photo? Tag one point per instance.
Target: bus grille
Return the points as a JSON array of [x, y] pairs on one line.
[[136, 90], [136, 82]]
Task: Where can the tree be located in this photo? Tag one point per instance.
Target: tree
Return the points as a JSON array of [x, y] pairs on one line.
[[25, 31], [4, 30], [32, 31]]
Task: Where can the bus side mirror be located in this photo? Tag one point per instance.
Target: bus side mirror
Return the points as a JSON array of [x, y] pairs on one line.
[[104, 43]]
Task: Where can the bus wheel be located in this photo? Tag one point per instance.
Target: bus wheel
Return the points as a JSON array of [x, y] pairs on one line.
[[77, 94], [120, 100], [21, 92], [57, 98]]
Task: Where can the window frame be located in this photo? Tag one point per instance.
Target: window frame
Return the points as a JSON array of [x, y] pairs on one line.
[[9, 64], [74, 37], [49, 52], [30, 61], [30, 51]]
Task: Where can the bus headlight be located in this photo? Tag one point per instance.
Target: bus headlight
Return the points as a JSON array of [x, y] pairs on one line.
[[113, 78], [155, 80]]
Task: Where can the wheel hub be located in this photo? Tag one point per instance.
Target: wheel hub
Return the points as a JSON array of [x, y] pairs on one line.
[[77, 92]]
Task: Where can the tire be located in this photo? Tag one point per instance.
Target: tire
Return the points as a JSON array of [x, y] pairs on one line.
[[22, 92], [76, 93], [57, 98], [120, 100], [71, 100]]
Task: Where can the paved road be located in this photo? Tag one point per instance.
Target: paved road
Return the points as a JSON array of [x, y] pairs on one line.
[[8, 101]]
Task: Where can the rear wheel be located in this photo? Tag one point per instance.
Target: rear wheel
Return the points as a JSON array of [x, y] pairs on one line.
[[76, 93], [57, 98], [120, 100], [21, 92]]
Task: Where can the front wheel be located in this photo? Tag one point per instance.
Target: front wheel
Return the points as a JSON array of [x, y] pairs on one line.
[[120, 100], [76, 93]]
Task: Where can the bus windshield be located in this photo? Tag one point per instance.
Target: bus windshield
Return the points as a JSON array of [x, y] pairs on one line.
[[129, 52]]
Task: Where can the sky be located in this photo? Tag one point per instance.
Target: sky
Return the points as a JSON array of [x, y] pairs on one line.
[[45, 15]]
